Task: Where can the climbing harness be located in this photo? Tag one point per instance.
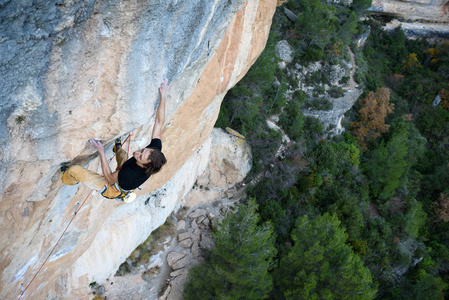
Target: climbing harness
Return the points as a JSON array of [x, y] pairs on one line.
[[128, 197], [114, 191]]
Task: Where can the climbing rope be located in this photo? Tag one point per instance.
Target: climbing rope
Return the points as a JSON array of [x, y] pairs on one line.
[[73, 217], [77, 209]]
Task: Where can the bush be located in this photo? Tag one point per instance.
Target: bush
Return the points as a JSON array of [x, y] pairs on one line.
[[313, 54], [336, 92], [321, 104]]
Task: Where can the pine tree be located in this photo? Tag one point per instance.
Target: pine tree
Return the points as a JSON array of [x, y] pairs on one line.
[[388, 165], [239, 263], [321, 266]]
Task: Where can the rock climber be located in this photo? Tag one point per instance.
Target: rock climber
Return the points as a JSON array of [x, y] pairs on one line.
[[131, 173]]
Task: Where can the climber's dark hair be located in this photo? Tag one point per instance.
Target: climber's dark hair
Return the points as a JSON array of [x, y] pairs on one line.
[[157, 160]]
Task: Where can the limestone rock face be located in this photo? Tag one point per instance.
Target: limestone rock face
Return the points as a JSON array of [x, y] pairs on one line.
[[74, 70], [435, 11], [230, 162], [422, 18]]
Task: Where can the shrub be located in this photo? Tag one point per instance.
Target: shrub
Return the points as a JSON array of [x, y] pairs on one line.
[[336, 92]]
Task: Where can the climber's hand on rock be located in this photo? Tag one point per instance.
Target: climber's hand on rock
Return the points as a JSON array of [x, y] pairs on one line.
[[164, 86], [97, 145]]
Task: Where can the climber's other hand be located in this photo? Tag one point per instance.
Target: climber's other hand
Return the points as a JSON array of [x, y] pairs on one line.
[[164, 86], [97, 145]]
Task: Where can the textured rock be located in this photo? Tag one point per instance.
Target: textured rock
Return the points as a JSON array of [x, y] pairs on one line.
[[185, 235], [185, 243], [177, 272], [435, 11], [201, 218], [436, 101], [363, 37], [438, 32], [194, 225], [195, 251], [165, 293], [181, 225], [206, 241], [197, 213], [78, 70], [197, 232], [156, 260], [229, 163], [166, 240], [422, 18], [335, 74], [173, 257], [331, 119], [176, 288], [181, 263], [284, 51], [290, 15]]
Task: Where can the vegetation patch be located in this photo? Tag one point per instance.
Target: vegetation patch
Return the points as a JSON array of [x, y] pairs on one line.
[[380, 189]]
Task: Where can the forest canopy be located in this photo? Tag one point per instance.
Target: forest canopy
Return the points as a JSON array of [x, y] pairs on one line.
[[360, 215]]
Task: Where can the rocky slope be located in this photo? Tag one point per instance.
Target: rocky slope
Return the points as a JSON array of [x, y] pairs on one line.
[[76, 70]]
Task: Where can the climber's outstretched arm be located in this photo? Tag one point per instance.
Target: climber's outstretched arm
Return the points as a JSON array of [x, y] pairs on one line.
[[160, 112], [107, 173]]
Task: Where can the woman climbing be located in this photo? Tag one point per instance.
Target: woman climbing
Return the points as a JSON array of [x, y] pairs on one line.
[[130, 173]]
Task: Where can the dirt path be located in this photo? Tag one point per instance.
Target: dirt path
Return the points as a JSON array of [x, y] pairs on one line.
[[352, 84]]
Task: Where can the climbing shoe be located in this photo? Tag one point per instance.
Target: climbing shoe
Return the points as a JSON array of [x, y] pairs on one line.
[[64, 168], [118, 143]]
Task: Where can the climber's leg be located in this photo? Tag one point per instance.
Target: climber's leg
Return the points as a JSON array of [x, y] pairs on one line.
[[76, 174], [120, 157]]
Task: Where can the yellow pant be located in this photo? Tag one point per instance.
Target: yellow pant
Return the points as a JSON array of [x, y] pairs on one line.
[[76, 173]]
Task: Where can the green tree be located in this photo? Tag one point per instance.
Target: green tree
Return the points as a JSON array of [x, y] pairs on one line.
[[321, 266], [326, 158], [316, 25], [360, 6], [347, 153], [388, 165], [239, 263], [291, 119], [349, 28]]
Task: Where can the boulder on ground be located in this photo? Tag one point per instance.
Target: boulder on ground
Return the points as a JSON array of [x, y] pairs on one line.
[[165, 294], [181, 263], [195, 250], [173, 257], [197, 213], [284, 51], [177, 272], [436, 101], [181, 225], [194, 225], [185, 243], [290, 15], [206, 241], [177, 285], [185, 235]]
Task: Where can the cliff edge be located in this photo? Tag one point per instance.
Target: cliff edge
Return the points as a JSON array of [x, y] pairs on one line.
[[77, 70]]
